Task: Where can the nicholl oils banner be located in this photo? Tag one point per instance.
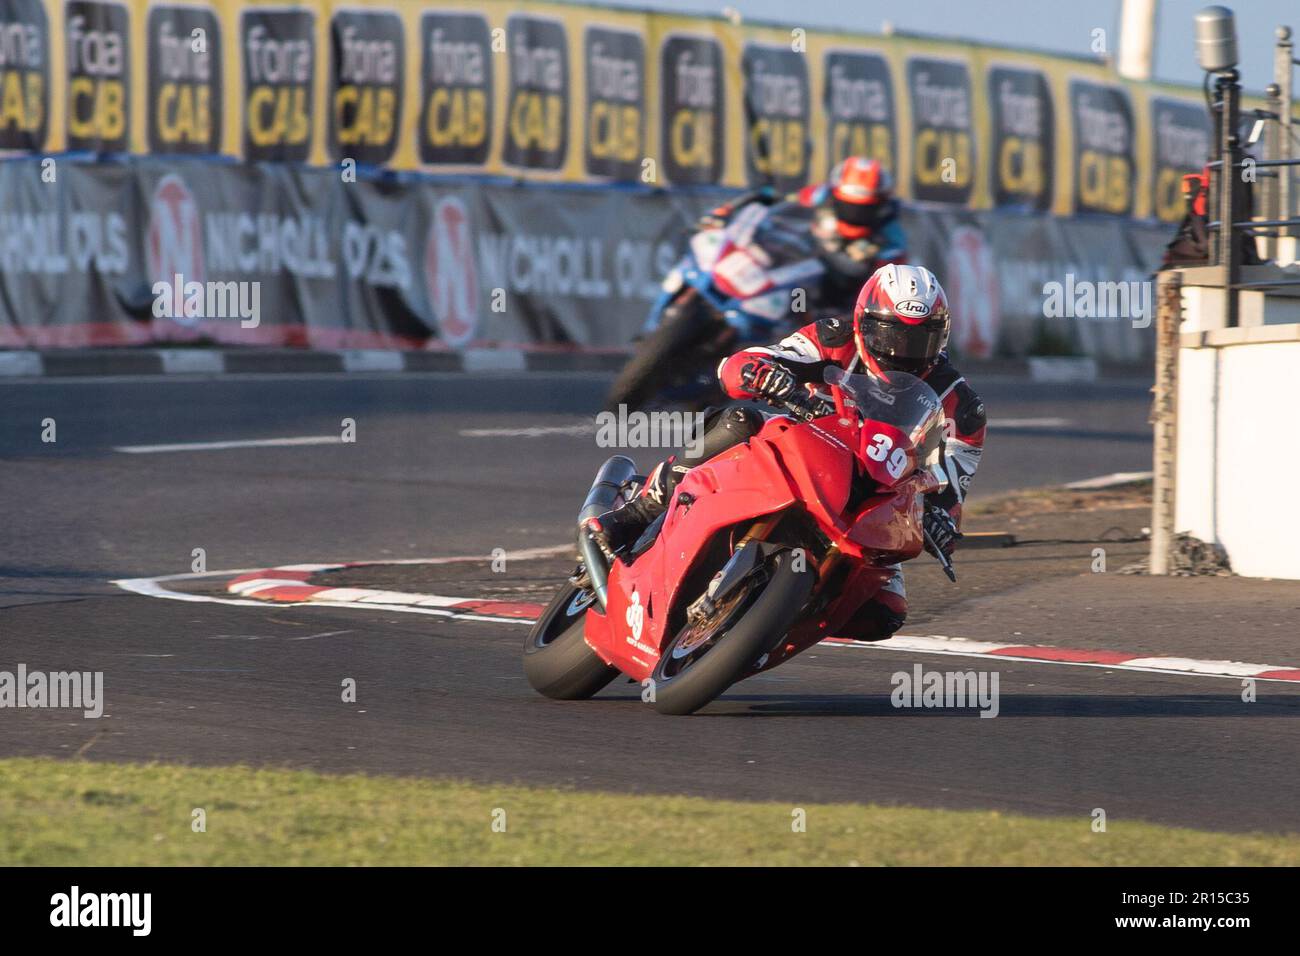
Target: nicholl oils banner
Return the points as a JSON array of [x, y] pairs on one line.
[[585, 94]]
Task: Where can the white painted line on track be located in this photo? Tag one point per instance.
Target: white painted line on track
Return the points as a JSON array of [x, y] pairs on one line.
[[455, 608], [372, 360], [224, 445], [539, 431], [523, 554], [151, 587], [999, 424], [258, 584], [956, 647], [1217, 668], [1110, 481], [939, 644], [21, 364], [191, 362], [410, 609], [494, 360]]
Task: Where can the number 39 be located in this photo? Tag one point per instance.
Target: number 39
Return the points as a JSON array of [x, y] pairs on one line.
[[880, 451]]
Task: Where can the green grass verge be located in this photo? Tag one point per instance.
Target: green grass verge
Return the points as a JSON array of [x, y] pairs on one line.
[[82, 813]]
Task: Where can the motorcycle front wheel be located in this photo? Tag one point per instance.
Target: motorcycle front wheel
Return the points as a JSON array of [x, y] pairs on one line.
[[707, 657], [557, 661]]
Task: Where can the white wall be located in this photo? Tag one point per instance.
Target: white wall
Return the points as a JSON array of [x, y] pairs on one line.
[[1239, 453]]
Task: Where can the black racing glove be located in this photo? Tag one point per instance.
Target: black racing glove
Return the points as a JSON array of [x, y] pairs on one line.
[[768, 380], [941, 529]]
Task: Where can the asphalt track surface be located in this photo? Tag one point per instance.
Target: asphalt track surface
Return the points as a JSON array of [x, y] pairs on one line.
[[210, 683]]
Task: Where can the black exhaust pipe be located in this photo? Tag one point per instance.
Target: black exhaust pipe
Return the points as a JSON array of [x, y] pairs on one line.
[[604, 492]]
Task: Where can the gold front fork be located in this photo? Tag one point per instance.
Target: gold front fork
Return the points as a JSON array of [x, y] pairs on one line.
[[763, 527], [833, 557], [758, 531]]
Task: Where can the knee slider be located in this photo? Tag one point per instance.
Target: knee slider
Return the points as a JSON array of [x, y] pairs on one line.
[[891, 621]]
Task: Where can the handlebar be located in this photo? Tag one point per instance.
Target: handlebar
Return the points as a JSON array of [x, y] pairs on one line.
[[804, 407]]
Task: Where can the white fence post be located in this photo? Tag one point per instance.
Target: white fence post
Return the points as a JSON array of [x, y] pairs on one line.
[[1164, 418]]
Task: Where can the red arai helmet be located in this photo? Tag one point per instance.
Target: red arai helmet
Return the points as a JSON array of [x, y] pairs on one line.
[[860, 190], [901, 320]]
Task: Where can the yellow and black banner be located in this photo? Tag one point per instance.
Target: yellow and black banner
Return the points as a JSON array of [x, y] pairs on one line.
[[456, 89], [1022, 147], [556, 92], [615, 111], [366, 80], [24, 75], [858, 102], [97, 47], [692, 109], [185, 82], [279, 56]]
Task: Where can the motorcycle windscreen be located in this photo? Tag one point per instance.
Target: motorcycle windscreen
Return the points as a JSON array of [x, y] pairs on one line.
[[784, 234]]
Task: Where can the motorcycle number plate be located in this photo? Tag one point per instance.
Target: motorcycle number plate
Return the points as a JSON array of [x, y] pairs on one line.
[[745, 276]]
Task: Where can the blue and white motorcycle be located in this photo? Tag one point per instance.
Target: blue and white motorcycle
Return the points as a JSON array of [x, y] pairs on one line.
[[752, 280]]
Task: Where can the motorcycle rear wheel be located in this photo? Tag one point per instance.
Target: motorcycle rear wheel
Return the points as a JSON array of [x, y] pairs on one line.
[[686, 678], [557, 662], [667, 356]]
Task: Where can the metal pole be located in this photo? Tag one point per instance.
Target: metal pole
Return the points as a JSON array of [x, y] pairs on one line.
[[1268, 190], [1229, 248], [1164, 418], [1283, 59]]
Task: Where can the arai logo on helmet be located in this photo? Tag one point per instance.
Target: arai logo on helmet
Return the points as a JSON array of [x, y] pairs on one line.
[[914, 308]]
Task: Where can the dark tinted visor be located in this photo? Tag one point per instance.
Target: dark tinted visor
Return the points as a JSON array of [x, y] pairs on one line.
[[863, 215], [891, 338]]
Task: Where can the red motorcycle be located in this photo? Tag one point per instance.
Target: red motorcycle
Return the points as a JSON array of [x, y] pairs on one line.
[[765, 549]]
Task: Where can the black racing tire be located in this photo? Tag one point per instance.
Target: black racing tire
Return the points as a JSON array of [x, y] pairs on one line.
[[667, 355], [557, 661], [761, 626]]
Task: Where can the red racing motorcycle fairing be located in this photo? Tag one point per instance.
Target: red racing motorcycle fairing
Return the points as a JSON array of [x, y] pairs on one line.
[[744, 482], [787, 463]]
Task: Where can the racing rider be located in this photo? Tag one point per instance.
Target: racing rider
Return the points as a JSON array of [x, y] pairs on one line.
[[855, 224], [900, 323]]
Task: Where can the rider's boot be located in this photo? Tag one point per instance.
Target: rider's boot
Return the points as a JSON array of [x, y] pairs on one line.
[[880, 617], [615, 532]]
